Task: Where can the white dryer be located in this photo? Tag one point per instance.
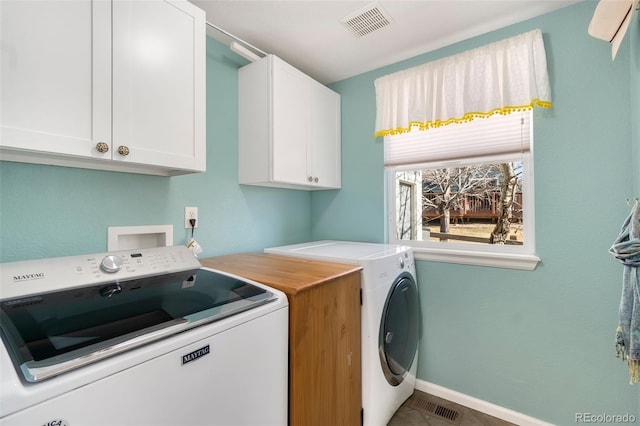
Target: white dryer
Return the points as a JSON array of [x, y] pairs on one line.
[[391, 320]]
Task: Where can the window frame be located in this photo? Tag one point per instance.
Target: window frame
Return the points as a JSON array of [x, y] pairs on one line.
[[501, 256]]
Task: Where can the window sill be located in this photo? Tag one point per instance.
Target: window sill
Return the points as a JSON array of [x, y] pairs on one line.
[[527, 262]]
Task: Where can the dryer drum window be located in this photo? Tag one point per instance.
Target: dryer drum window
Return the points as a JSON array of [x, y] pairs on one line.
[[399, 329]]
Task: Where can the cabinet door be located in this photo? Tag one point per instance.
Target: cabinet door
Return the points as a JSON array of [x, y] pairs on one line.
[[325, 351], [159, 83], [55, 88], [290, 109], [324, 137]]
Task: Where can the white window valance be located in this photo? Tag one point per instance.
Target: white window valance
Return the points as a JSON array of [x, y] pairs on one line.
[[498, 78]]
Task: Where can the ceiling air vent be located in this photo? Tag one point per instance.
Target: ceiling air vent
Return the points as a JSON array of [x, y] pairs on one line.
[[367, 20]]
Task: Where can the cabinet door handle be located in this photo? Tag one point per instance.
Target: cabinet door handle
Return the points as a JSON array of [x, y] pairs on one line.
[[310, 178], [123, 150], [316, 180], [102, 147]]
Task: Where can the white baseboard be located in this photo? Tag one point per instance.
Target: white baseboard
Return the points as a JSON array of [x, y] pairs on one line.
[[478, 404]]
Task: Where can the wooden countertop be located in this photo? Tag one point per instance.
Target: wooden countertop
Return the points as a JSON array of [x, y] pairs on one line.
[[287, 274]]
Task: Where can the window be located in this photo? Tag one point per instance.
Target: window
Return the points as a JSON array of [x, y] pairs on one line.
[[457, 149], [465, 202]]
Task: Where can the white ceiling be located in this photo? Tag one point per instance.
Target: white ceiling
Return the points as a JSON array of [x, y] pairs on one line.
[[308, 34]]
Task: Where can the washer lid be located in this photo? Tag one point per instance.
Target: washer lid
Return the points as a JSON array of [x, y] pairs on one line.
[[338, 251], [52, 333]]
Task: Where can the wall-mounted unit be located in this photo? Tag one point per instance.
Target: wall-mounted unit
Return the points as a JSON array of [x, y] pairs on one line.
[[137, 237], [105, 85], [289, 128]]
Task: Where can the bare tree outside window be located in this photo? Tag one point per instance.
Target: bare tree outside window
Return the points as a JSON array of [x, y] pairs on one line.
[[473, 203], [508, 189]]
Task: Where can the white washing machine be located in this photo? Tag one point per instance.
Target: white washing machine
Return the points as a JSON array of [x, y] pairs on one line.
[[139, 337], [391, 320]]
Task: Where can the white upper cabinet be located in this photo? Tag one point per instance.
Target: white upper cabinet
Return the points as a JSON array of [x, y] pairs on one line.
[[56, 76], [289, 128], [107, 85], [158, 113]]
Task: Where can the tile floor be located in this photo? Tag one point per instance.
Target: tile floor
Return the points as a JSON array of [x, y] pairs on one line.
[[428, 410]]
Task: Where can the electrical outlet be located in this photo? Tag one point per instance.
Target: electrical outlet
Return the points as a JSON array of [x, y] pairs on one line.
[[190, 213]]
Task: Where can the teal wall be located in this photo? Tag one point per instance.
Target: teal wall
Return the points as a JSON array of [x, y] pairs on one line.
[[541, 342], [48, 211], [634, 35]]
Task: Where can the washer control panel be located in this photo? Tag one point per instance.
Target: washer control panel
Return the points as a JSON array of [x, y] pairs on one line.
[[47, 275], [380, 271]]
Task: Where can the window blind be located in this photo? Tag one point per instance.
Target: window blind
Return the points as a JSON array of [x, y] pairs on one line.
[[494, 135]]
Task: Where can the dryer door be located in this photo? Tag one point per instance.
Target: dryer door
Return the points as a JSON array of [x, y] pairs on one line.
[[399, 329]]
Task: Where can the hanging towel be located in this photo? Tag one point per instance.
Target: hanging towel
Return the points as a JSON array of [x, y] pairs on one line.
[[626, 248]]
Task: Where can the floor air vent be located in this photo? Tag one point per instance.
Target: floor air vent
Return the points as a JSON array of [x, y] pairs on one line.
[[431, 408], [367, 20]]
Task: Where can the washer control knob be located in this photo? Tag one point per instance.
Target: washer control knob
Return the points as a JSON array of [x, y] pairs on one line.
[[111, 264], [401, 262]]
